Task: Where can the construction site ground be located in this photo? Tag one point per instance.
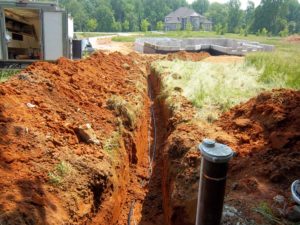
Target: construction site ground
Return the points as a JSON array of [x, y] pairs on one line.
[[93, 141]]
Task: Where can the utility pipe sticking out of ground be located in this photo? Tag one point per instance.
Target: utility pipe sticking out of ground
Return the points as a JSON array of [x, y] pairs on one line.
[[214, 166]]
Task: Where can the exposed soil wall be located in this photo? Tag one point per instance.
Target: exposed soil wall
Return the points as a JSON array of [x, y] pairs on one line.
[[67, 155], [179, 207], [267, 132], [163, 113]]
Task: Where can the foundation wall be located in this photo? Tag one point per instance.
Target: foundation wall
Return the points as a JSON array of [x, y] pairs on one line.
[[218, 45]]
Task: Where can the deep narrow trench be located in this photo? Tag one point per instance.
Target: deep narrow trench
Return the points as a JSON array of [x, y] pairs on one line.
[[152, 211], [143, 203]]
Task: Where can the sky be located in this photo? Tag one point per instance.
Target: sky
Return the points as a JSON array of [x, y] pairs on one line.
[[244, 2]]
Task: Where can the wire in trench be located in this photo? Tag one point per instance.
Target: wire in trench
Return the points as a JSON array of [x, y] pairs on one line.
[[153, 121], [153, 155]]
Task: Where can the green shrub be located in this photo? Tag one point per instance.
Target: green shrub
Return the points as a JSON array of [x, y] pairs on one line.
[[145, 25], [160, 26]]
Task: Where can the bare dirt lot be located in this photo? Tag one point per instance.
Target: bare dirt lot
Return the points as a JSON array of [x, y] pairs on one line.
[[107, 45], [94, 142]]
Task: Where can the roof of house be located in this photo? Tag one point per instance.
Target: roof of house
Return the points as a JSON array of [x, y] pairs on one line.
[[182, 12]]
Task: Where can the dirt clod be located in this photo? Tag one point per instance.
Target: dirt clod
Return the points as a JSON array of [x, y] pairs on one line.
[[86, 134]]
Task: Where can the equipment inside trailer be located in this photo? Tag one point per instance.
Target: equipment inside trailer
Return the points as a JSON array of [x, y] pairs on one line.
[[23, 33]]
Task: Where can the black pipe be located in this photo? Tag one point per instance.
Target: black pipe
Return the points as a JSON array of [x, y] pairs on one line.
[[214, 166]]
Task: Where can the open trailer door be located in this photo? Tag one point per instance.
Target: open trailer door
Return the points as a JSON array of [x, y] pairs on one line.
[[53, 35]]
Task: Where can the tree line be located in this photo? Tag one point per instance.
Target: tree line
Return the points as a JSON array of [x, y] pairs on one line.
[[271, 17]]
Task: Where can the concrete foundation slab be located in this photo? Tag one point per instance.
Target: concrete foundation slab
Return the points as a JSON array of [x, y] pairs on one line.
[[218, 46]]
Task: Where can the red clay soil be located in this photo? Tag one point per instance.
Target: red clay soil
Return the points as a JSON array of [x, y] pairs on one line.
[[267, 134], [48, 175], [188, 56], [293, 39]]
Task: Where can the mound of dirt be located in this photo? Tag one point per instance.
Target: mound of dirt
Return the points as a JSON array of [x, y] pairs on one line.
[[293, 39], [267, 129], [265, 133], [188, 56], [65, 155]]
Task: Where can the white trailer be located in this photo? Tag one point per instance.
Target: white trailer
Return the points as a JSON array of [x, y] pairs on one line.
[[34, 30]]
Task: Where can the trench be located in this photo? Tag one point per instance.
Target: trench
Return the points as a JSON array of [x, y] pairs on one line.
[[154, 205], [153, 210], [143, 199]]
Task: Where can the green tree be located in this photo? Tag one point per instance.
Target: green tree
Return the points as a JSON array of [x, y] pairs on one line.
[[160, 26], [106, 18], [201, 6], [125, 25], [249, 15], [284, 32], [273, 15], [92, 24], [117, 26], [220, 29], [292, 26], [234, 16], [263, 32], [218, 14], [145, 25], [78, 12]]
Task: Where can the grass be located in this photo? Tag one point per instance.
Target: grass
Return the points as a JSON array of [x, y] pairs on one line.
[[210, 87], [279, 68], [124, 38], [214, 88], [264, 209], [91, 34], [123, 109], [113, 142], [61, 171], [194, 34], [6, 74]]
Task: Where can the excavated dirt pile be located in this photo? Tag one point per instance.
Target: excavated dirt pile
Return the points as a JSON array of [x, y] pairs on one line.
[[188, 56], [265, 134], [293, 39], [267, 129], [73, 138]]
